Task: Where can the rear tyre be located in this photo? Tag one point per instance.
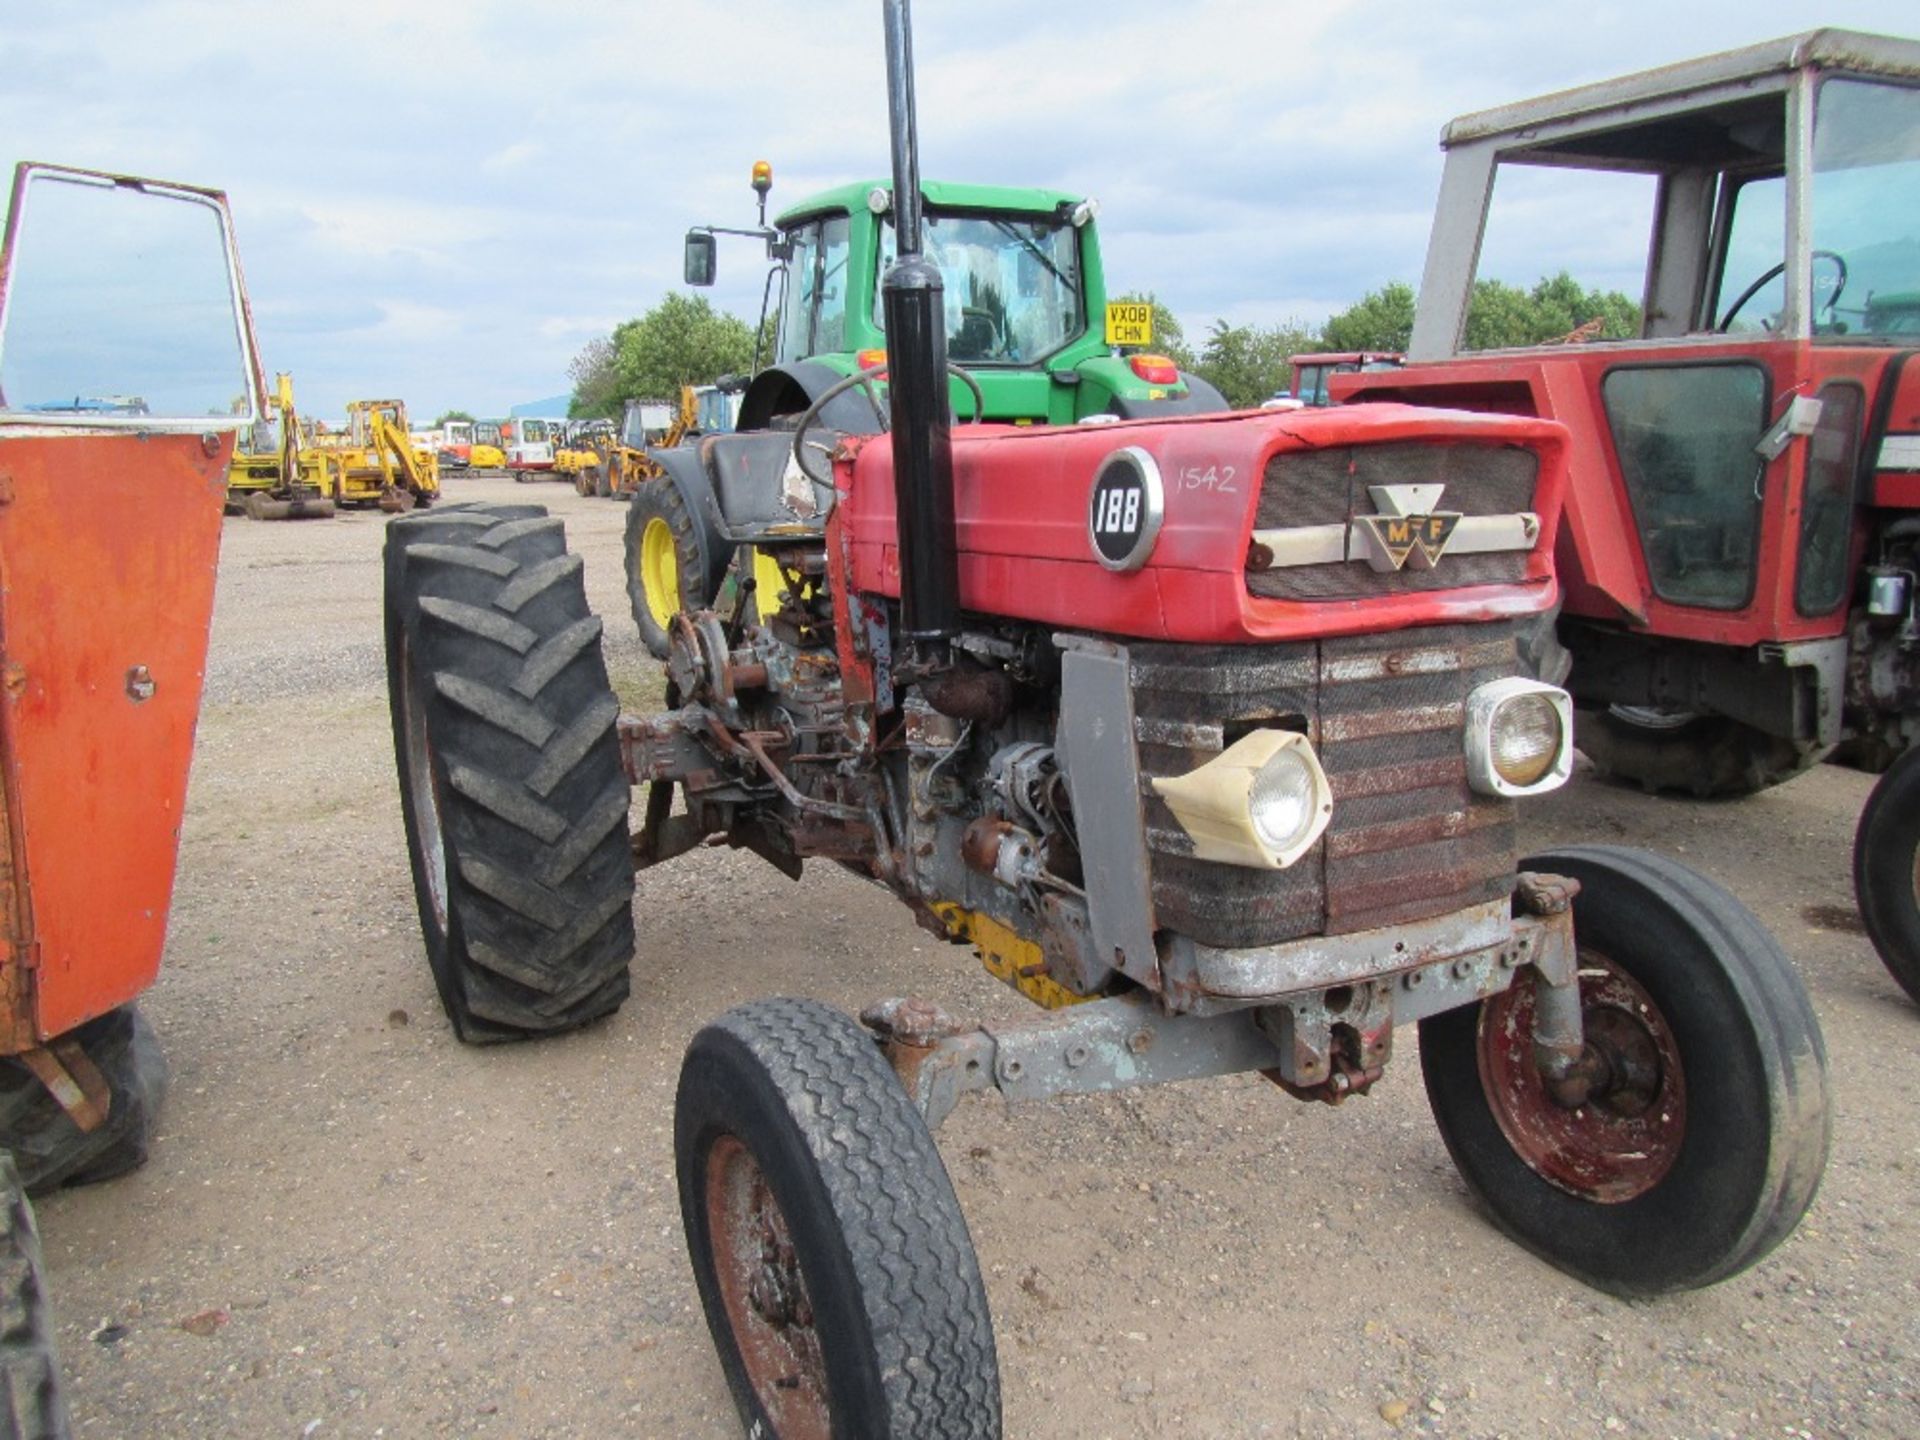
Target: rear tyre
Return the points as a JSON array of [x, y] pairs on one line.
[[1706, 1144], [833, 1262], [49, 1150], [1886, 870], [665, 567], [32, 1406], [510, 779], [1706, 756]]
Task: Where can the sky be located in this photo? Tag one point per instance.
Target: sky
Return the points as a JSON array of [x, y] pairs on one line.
[[445, 200]]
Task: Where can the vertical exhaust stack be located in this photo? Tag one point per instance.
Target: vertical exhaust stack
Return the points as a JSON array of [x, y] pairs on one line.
[[914, 306]]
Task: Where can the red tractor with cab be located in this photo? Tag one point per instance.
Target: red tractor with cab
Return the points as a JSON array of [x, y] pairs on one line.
[[1742, 533], [1207, 733]]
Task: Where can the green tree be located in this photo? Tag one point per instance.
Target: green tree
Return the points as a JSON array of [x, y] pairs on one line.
[[681, 341], [446, 415], [1556, 308], [1169, 336], [596, 384], [1247, 363], [1380, 320]]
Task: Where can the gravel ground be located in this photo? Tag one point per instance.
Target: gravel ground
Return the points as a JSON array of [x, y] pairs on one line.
[[353, 1226]]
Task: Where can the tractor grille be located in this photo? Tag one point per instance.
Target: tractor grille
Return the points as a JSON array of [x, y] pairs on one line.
[[1386, 715], [1329, 487]]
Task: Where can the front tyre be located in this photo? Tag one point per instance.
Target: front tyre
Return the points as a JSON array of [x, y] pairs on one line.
[[510, 778], [1886, 870], [665, 564], [833, 1262], [1704, 1145]]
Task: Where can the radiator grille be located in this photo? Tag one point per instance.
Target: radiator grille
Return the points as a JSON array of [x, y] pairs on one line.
[[1385, 713], [1328, 487]]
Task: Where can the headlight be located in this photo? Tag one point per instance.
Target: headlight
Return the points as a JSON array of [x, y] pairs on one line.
[[1519, 737], [1261, 803], [1281, 800]]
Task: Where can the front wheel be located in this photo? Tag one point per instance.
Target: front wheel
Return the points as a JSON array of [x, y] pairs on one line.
[[665, 566], [1703, 1144], [834, 1265], [1886, 870]]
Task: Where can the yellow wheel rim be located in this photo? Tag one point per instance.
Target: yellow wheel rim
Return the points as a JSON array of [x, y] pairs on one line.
[[660, 571], [768, 583]]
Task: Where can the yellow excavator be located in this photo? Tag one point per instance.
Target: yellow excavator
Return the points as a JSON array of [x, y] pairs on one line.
[[376, 462], [278, 481]]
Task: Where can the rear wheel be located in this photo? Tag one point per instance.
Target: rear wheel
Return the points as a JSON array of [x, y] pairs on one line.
[[1886, 870], [510, 779], [833, 1262], [32, 1406], [1703, 1143], [665, 567], [1701, 755]]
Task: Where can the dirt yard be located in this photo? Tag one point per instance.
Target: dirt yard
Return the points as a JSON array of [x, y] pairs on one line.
[[354, 1226]]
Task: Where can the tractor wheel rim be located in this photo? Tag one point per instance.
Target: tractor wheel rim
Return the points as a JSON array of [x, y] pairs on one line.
[[1627, 1136], [769, 1309], [660, 571], [426, 803]]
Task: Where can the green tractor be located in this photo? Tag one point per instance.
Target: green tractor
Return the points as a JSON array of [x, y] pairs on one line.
[[1031, 340]]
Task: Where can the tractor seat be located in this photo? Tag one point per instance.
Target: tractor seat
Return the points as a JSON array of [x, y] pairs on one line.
[[759, 492]]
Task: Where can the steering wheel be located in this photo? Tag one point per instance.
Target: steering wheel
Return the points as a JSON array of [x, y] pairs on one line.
[[1840, 285], [867, 381]]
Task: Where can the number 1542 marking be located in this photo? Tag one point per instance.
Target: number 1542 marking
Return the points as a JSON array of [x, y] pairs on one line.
[[1217, 478]]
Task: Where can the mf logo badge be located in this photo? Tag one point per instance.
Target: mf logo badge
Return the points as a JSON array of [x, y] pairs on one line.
[[1125, 508], [1408, 527]]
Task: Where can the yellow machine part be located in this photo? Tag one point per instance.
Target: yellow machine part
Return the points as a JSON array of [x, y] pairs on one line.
[[487, 457], [1007, 956]]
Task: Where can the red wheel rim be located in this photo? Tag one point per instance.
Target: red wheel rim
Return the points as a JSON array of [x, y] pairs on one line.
[[1624, 1139], [768, 1307]]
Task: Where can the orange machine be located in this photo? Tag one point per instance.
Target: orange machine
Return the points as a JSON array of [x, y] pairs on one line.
[[117, 421]]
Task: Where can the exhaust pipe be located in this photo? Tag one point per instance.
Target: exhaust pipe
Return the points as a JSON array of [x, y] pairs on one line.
[[914, 306]]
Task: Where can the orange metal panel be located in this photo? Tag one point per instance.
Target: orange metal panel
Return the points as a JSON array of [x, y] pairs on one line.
[[108, 545]]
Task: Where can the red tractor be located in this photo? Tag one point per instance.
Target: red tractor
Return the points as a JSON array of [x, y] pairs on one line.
[[1207, 733], [1743, 520]]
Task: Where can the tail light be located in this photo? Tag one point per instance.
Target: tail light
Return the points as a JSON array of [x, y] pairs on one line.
[[871, 359], [1155, 369]]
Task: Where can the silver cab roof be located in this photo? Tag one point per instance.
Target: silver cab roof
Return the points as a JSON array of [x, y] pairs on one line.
[[1708, 77]]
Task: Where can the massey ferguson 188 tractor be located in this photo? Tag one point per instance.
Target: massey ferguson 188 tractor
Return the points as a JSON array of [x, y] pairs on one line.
[[1026, 313], [1743, 523], [127, 365], [1207, 733]]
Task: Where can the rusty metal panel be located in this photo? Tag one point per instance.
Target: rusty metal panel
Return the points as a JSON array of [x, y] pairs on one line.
[[107, 556]]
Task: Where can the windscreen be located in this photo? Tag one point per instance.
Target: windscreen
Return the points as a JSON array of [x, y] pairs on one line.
[[1012, 284]]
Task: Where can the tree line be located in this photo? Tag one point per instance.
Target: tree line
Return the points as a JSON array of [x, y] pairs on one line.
[[684, 341]]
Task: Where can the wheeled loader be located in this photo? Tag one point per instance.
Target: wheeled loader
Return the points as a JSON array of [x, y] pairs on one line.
[[1743, 528], [110, 520], [1207, 733]]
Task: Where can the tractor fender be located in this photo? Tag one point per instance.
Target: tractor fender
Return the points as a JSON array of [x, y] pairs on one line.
[[787, 390], [1201, 399], [681, 468]]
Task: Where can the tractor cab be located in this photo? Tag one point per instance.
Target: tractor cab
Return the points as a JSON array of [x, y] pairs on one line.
[[1310, 372], [1024, 293], [1741, 458]]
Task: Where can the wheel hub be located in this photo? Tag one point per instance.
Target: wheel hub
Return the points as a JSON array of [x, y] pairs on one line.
[[769, 1309], [1626, 1133]]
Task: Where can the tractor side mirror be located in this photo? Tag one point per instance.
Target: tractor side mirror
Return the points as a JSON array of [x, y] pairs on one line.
[[700, 257], [122, 306]]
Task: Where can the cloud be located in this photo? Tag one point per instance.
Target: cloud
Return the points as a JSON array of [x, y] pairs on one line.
[[445, 200]]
